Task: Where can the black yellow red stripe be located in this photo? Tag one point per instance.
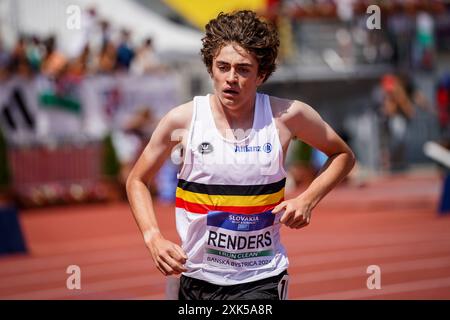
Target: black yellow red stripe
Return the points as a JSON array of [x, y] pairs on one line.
[[221, 200], [202, 198]]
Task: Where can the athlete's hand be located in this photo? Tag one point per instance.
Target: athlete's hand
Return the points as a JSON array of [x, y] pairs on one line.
[[168, 256], [297, 212]]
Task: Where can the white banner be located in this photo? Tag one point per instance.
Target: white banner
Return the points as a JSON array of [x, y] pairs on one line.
[[40, 110]]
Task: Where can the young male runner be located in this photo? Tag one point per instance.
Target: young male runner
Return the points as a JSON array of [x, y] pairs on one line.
[[230, 196]]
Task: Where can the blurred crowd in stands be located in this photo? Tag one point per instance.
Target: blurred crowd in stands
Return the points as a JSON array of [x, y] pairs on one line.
[[346, 9], [407, 36], [103, 50]]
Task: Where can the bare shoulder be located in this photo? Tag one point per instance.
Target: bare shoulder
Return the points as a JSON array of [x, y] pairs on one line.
[[285, 110], [280, 106], [180, 116]]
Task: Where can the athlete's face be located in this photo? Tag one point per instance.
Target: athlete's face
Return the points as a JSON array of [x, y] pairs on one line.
[[235, 76]]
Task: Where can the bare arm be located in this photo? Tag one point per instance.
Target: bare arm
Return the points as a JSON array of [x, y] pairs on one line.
[[306, 124], [168, 257]]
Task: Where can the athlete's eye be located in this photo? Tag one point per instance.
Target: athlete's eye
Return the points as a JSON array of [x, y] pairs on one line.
[[222, 68]]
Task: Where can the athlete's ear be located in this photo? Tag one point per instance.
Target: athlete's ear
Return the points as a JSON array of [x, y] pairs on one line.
[[260, 79]]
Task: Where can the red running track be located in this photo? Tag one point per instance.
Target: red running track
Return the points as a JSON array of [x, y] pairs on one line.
[[391, 223]]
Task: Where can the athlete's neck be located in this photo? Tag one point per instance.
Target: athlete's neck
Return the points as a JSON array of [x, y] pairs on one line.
[[237, 117]]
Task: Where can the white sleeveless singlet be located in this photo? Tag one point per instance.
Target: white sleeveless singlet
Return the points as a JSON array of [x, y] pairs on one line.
[[226, 191]]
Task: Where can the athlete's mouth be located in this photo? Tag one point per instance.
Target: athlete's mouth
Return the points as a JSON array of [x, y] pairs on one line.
[[230, 91]]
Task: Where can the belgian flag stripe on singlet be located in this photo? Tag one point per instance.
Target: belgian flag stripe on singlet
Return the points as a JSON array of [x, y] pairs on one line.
[[232, 190], [247, 199]]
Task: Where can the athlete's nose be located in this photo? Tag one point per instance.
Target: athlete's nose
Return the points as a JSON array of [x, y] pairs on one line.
[[232, 75]]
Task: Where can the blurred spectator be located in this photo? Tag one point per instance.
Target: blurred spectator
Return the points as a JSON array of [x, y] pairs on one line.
[[424, 47], [146, 60], [130, 140], [19, 62], [401, 31], [416, 96], [396, 112], [125, 52], [105, 32], [4, 61], [80, 66], [35, 53], [106, 60], [443, 103], [54, 62]]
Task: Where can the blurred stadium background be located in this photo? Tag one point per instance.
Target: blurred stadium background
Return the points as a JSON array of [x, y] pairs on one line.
[[83, 83]]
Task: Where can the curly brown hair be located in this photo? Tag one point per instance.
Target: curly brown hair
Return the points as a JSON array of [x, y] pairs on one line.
[[247, 30]]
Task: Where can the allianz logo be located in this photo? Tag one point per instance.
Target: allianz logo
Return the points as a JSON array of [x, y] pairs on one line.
[[267, 147]]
